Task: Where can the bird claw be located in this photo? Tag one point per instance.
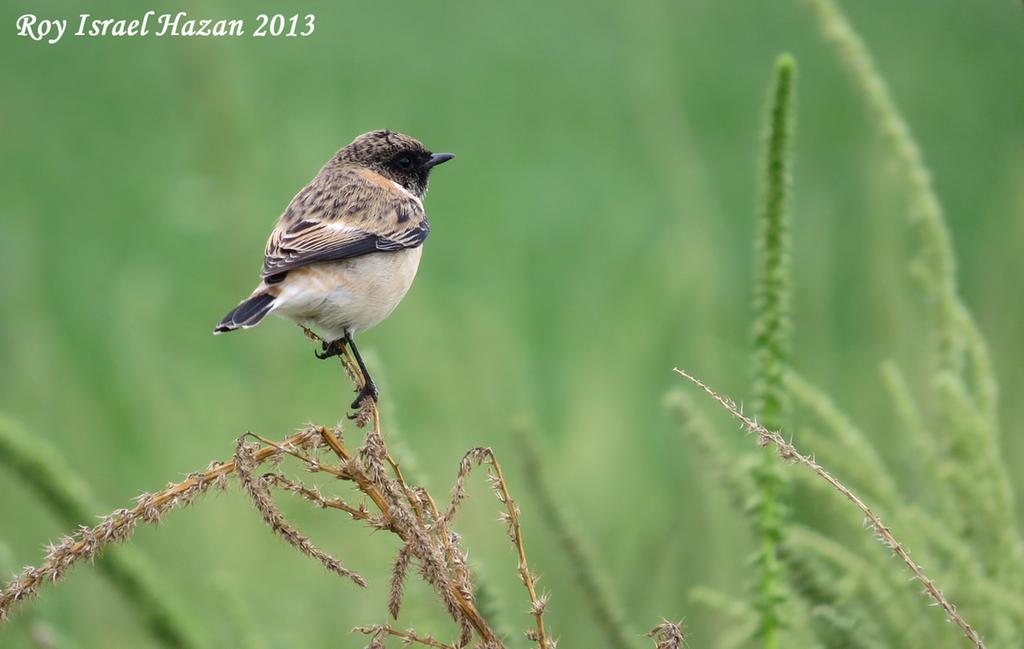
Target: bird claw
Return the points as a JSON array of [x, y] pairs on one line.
[[369, 390], [333, 348]]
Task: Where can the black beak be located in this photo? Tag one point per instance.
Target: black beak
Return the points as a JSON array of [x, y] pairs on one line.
[[437, 159]]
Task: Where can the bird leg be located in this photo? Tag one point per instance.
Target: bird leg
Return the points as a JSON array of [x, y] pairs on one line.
[[369, 388]]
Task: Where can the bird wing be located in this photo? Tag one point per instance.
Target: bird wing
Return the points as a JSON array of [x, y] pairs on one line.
[[346, 214]]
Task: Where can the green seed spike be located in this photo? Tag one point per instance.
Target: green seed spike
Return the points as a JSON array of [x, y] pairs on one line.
[[771, 349]]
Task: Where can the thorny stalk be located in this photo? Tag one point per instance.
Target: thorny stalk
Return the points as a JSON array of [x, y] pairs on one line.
[[442, 562], [399, 519], [408, 636], [790, 453], [86, 542], [363, 468], [313, 495], [408, 511], [369, 411], [259, 493], [537, 604], [511, 517]]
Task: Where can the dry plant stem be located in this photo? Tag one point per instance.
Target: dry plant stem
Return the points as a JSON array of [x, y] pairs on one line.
[[464, 611], [259, 493], [118, 526], [407, 637], [537, 604], [790, 453], [465, 606], [370, 412], [364, 485], [348, 361], [413, 500], [448, 580], [442, 563], [314, 496], [448, 540]]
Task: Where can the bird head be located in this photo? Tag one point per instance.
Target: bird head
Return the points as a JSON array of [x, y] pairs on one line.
[[395, 156]]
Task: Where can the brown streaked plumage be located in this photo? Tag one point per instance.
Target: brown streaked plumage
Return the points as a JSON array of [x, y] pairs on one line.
[[347, 247]]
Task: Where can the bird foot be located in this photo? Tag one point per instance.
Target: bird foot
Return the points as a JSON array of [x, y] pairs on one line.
[[331, 349], [368, 391]]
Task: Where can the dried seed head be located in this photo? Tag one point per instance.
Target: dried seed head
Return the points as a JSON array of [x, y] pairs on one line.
[[398, 573], [539, 606], [667, 635], [259, 494]]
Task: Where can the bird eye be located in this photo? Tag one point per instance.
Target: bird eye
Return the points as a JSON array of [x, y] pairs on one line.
[[403, 162]]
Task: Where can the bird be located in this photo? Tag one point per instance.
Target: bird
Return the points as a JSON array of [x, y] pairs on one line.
[[346, 249]]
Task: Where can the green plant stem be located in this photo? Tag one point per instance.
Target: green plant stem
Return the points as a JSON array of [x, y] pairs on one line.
[[771, 348], [965, 381]]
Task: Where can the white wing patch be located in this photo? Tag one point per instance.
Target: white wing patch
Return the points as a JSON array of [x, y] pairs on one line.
[[338, 227]]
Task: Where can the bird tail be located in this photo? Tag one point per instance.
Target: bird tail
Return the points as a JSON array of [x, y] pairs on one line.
[[247, 314]]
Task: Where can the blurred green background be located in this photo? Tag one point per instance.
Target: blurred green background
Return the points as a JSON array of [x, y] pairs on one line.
[[595, 231]]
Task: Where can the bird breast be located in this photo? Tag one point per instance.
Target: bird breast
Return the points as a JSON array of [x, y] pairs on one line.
[[353, 294]]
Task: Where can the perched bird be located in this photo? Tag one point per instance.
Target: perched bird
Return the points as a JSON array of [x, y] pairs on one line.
[[346, 249]]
